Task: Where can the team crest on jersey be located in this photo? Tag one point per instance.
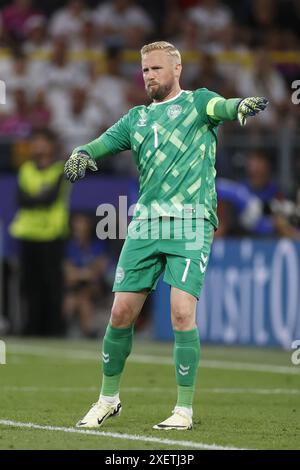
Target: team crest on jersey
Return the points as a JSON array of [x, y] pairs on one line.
[[174, 110], [120, 274], [143, 118]]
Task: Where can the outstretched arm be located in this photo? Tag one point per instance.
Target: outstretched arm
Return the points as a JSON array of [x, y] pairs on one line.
[[220, 109], [83, 158], [114, 140]]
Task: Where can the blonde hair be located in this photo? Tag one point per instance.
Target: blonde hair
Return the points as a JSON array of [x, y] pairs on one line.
[[162, 46]]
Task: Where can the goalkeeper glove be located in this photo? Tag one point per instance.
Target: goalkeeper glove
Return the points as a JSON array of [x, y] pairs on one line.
[[77, 164], [250, 107]]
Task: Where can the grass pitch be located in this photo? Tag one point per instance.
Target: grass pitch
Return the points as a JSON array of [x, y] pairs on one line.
[[246, 398]]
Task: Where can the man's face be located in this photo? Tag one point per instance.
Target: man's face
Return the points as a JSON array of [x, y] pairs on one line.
[[42, 151], [160, 73], [259, 171]]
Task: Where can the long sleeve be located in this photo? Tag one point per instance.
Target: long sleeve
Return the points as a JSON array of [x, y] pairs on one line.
[[95, 149], [220, 109], [116, 139]]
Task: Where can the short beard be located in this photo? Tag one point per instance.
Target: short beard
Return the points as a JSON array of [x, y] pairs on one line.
[[160, 93]]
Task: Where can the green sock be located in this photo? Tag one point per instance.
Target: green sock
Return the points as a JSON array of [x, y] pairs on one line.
[[116, 348], [186, 359]]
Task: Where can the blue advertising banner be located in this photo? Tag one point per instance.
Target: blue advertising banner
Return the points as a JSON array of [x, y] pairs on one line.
[[251, 295]]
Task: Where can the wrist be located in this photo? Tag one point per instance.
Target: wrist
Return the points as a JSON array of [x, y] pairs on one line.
[[81, 151]]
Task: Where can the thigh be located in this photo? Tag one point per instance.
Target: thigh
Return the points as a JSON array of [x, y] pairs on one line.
[[187, 261], [139, 266]]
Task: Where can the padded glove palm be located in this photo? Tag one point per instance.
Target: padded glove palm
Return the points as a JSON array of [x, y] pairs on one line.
[[250, 107], [77, 164]]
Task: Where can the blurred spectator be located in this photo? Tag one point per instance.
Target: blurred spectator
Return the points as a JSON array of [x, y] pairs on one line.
[[238, 208], [260, 182], [37, 42], [86, 38], [78, 121], [259, 178], [188, 38], [41, 224], [67, 21], [209, 76], [40, 113], [14, 18], [261, 16], [86, 46], [262, 79], [289, 14], [19, 74], [233, 48], [110, 90], [212, 18], [172, 20], [84, 267], [17, 124], [123, 23], [248, 207], [234, 39], [60, 75]]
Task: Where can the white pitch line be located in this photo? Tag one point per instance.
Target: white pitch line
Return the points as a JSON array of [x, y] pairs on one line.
[[130, 437], [232, 365], [251, 391], [148, 359], [213, 364], [255, 391]]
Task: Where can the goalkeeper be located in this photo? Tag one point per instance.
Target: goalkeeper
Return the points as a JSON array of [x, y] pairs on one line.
[[173, 142]]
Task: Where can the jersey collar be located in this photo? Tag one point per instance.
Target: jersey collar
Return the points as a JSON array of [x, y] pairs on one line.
[[168, 101]]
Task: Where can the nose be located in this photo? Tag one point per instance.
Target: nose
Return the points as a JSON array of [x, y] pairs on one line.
[[151, 75]]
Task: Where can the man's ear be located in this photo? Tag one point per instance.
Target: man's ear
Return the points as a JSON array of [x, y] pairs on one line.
[[178, 70]]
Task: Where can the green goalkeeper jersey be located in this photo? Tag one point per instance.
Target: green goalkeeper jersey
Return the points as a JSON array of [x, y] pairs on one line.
[[174, 146]]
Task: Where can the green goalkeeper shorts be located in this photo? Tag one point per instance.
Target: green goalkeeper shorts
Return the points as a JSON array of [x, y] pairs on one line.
[[179, 247]]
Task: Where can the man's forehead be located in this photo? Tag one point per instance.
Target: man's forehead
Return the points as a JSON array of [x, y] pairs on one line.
[[155, 58]]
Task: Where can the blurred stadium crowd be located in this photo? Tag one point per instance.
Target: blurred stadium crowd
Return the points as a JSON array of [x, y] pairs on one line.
[[72, 68]]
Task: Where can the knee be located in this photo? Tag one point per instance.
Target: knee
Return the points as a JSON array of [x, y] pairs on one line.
[[121, 315], [182, 320]]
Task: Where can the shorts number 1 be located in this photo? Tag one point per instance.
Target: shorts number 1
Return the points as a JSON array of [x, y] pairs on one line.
[[185, 273]]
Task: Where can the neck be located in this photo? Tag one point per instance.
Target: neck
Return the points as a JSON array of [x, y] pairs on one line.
[[171, 95]]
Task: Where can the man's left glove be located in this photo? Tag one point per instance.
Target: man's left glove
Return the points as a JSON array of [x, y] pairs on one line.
[[77, 164], [250, 107]]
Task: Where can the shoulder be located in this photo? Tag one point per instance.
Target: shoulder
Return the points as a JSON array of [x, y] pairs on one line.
[[138, 109], [205, 93], [27, 167], [202, 96], [135, 113]]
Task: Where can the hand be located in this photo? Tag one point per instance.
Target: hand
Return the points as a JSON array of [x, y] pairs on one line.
[[250, 107], [77, 164]]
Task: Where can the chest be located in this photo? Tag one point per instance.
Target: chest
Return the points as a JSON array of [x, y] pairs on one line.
[[161, 126]]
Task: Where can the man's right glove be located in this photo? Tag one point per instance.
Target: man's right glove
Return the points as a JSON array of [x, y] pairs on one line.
[[250, 107], [77, 164]]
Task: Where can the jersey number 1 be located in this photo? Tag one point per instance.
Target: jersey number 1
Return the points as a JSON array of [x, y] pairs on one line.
[[154, 127]]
